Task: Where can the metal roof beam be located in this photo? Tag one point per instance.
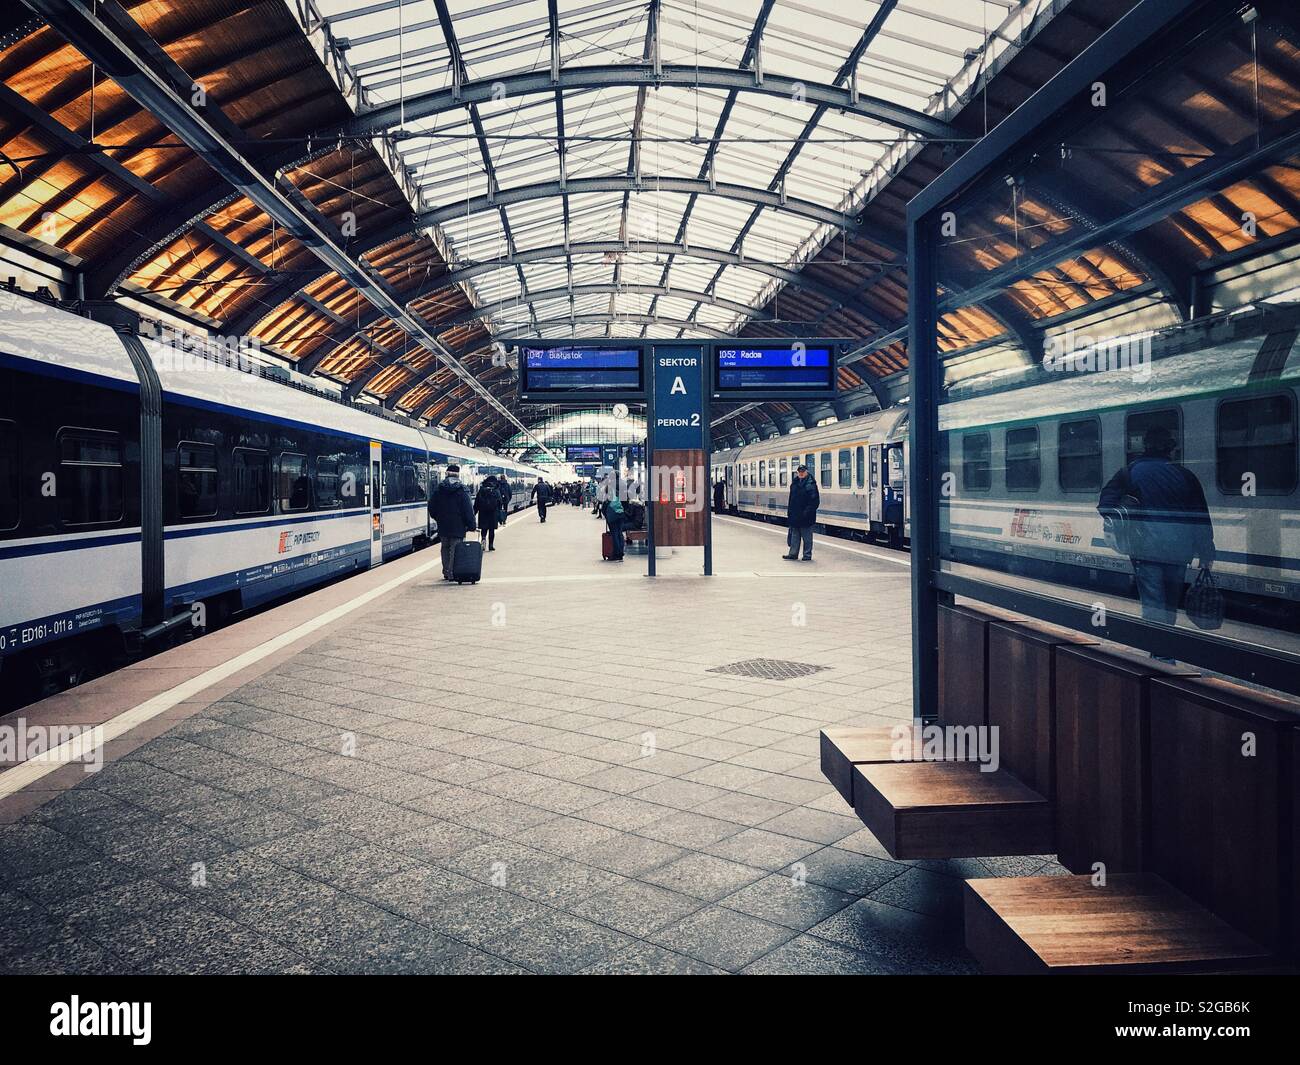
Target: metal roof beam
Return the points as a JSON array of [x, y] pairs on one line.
[[439, 101], [108, 36]]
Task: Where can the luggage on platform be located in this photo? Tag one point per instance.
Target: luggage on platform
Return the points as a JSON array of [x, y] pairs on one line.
[[467, 562]]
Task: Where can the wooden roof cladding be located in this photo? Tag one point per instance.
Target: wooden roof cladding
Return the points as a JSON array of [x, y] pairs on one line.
[[249, 58], [97, 172]]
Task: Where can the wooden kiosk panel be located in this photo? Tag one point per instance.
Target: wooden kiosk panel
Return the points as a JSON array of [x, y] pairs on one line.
[[678, 521]]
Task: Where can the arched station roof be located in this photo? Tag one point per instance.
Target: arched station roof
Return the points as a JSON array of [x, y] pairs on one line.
[[379, 190]]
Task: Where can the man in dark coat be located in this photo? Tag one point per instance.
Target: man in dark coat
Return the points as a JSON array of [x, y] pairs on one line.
[[541, 494], [1159, 508], [487, 505], [453, 511], [801, 514]]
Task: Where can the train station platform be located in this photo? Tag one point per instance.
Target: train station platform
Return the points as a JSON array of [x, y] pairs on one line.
[[568, 767]]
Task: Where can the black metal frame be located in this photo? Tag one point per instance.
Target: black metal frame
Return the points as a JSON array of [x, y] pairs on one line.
[[630, 395], [1114, 55], [838, 347]]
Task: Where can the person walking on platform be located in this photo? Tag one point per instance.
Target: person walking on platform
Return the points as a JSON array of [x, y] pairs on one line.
[[487, 505], [541, 495], [1154, 511], [453, 511], [801, 514], [507, 494]]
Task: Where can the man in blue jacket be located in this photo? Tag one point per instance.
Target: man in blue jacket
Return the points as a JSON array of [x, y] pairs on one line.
[[453, 511], [801, 514], [1160, 507]]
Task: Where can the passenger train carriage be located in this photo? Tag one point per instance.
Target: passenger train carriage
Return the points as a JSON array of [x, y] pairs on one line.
[[1021, 492], [860, 466], [146, 489]]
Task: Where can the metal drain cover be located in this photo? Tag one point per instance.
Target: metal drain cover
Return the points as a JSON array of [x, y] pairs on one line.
[[769, 669]]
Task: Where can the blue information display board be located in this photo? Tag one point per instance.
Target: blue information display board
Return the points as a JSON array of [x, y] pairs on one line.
[[582, 453], [679, 399], [569, 371], [771, 369]]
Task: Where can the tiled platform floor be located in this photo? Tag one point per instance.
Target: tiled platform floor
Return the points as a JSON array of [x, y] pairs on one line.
[[535, 774]]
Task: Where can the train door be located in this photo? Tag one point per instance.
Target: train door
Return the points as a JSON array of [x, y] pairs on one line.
[[376, 503], [875, 496], [731, 485]]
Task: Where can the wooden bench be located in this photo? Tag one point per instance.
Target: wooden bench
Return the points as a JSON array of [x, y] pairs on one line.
[[963, 692], [1137, 922], [1215, 842], [928, 809], [844, 748]]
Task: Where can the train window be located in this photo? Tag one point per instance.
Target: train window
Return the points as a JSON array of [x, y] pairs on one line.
[[90, 477], [860, 457], [1256, 445], [784, 470], [811, 462], [328, 481], [196, 479], [252, 480], [1023, 470], [292, 485], [771, 473], [9, 507], [825, 472], [409, 490], [762, 474], [845, 463], [1137, 425], [976, 464], [1078, 455]]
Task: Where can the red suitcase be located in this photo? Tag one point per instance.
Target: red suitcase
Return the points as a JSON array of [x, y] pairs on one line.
[[607, 545]]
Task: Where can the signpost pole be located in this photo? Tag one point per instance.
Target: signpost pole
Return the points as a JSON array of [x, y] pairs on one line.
[[706, 385], [651, 492]]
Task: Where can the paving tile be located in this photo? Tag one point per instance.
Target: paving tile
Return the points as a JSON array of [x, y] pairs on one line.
[[703, 876], [815, 825], [788, 900], [642, 959], [636, 908], [250, 843], [557, 943], [721, 937], [629, 854], [762, 849], [807, 955], [692, 830], [906, 941], [857, 874]]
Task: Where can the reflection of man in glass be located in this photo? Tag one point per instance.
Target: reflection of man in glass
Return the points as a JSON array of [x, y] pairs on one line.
[[1156, 510]]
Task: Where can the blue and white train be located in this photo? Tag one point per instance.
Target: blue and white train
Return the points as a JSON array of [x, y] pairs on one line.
[[138, 479], [1023, 467]]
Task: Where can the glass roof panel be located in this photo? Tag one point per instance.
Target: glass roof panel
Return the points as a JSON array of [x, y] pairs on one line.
[[399, 49]]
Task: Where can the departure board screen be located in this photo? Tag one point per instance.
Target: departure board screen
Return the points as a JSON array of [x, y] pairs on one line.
[[582, 453], [558, 371], [790, 368]]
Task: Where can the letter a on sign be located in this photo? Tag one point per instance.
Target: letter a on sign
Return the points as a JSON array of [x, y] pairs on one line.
[[679, 386]]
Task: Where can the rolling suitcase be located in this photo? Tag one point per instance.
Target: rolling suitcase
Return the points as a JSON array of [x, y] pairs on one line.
[[607, 545], [467, 562]]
